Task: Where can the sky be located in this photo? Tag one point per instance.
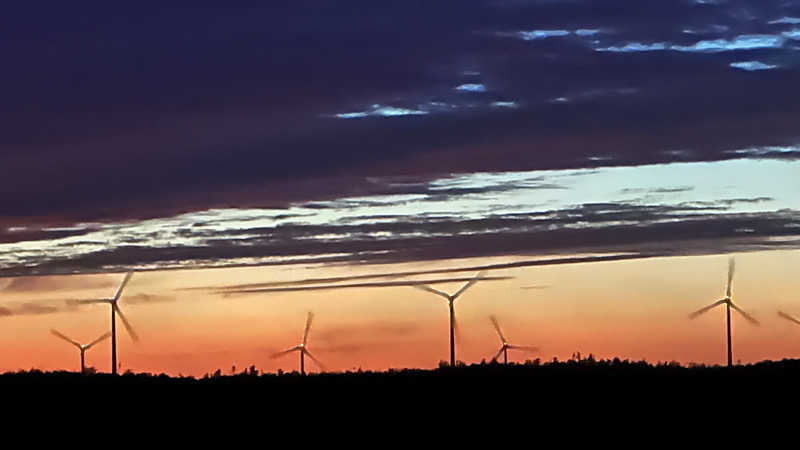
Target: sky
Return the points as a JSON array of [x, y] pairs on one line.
[[599, 159]]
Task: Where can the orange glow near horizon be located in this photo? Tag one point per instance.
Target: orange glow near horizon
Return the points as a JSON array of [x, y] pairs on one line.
[[635, 309]]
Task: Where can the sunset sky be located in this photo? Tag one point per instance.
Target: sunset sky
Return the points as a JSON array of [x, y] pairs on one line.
[[599, 159]]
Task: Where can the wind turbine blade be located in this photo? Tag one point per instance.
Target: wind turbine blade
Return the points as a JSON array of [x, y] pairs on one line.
[[279, 354], [427, 288], [101, 338], [127, 324], [704, 310], [61, 336], [321, 366], [469, 283], [731, 269], [524, 348], [497, 328], [497, 355], [745, 315], [122, 286], [788, 317], [308, 326]]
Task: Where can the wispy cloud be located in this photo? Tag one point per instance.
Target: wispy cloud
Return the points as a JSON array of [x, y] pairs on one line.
[[61, 283], [35, 308], [377, 284]]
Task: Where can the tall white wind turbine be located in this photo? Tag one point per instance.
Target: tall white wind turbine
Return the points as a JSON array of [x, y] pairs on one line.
[[505, 345], [451, 299], [115, 311], [80, 346], [302, 348], [728, 305]]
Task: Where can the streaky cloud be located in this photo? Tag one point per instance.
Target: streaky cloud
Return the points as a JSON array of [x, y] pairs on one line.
[[542, 34], [743, 42], [381, 111], [785, 20], [380, 284], [473, 268], [751, 66]]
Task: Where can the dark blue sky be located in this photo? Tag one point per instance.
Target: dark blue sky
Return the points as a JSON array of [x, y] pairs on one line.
[[112, 112]]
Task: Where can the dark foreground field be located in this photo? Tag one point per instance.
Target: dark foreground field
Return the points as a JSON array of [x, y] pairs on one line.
[[610, 397], [585, 372]]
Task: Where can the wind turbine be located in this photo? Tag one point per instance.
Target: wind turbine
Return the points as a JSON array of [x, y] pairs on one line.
[[302, 348], [114, 312], [788, 317], [506, 346], [451, 301], [728, 305], [80, 346]]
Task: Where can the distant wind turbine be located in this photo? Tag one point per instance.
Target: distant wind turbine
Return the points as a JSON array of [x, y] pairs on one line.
[[728, 305], [506, 346], [451, 301], [788, 317], [80, 346], [302, 348], [114, 312]]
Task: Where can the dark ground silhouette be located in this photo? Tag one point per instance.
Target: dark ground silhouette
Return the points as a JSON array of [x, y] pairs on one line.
[[583, 371], [582, 398]]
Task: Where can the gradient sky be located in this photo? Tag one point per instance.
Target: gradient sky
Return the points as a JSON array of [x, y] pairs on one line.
[[213, 147]]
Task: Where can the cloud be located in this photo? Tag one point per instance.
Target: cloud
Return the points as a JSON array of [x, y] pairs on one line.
[[471, 87], [744, 42], [58, 283], [792, 34], [624, 226], [355, 338], [117, 143], [371, 330], [662, 190], [785, 20], [54, 306], [542, 34], [527, 288], [192, 118], [33, 309], [147, 299], [377, 284], [406, 274], [380, 110], [752, 65]]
